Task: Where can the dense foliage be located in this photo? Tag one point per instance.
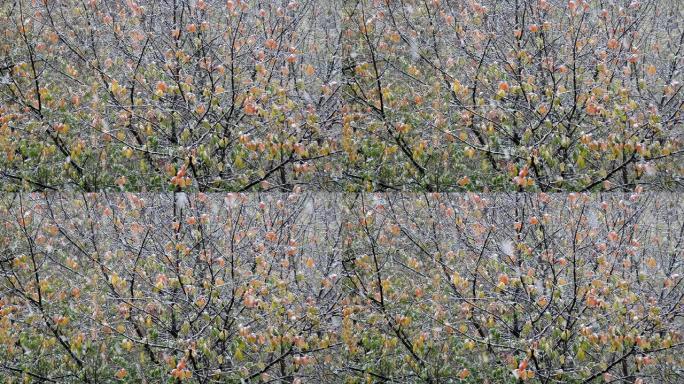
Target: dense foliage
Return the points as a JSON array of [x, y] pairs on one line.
[[338, 95], [505, 178], [342, 288], [533, 95]]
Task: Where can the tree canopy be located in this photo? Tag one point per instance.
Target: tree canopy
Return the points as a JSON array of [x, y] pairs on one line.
[[341, 95]]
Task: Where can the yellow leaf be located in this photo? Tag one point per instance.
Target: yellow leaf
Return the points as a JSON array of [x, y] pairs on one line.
[[121, 374], [309, 70], [456, 86]]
